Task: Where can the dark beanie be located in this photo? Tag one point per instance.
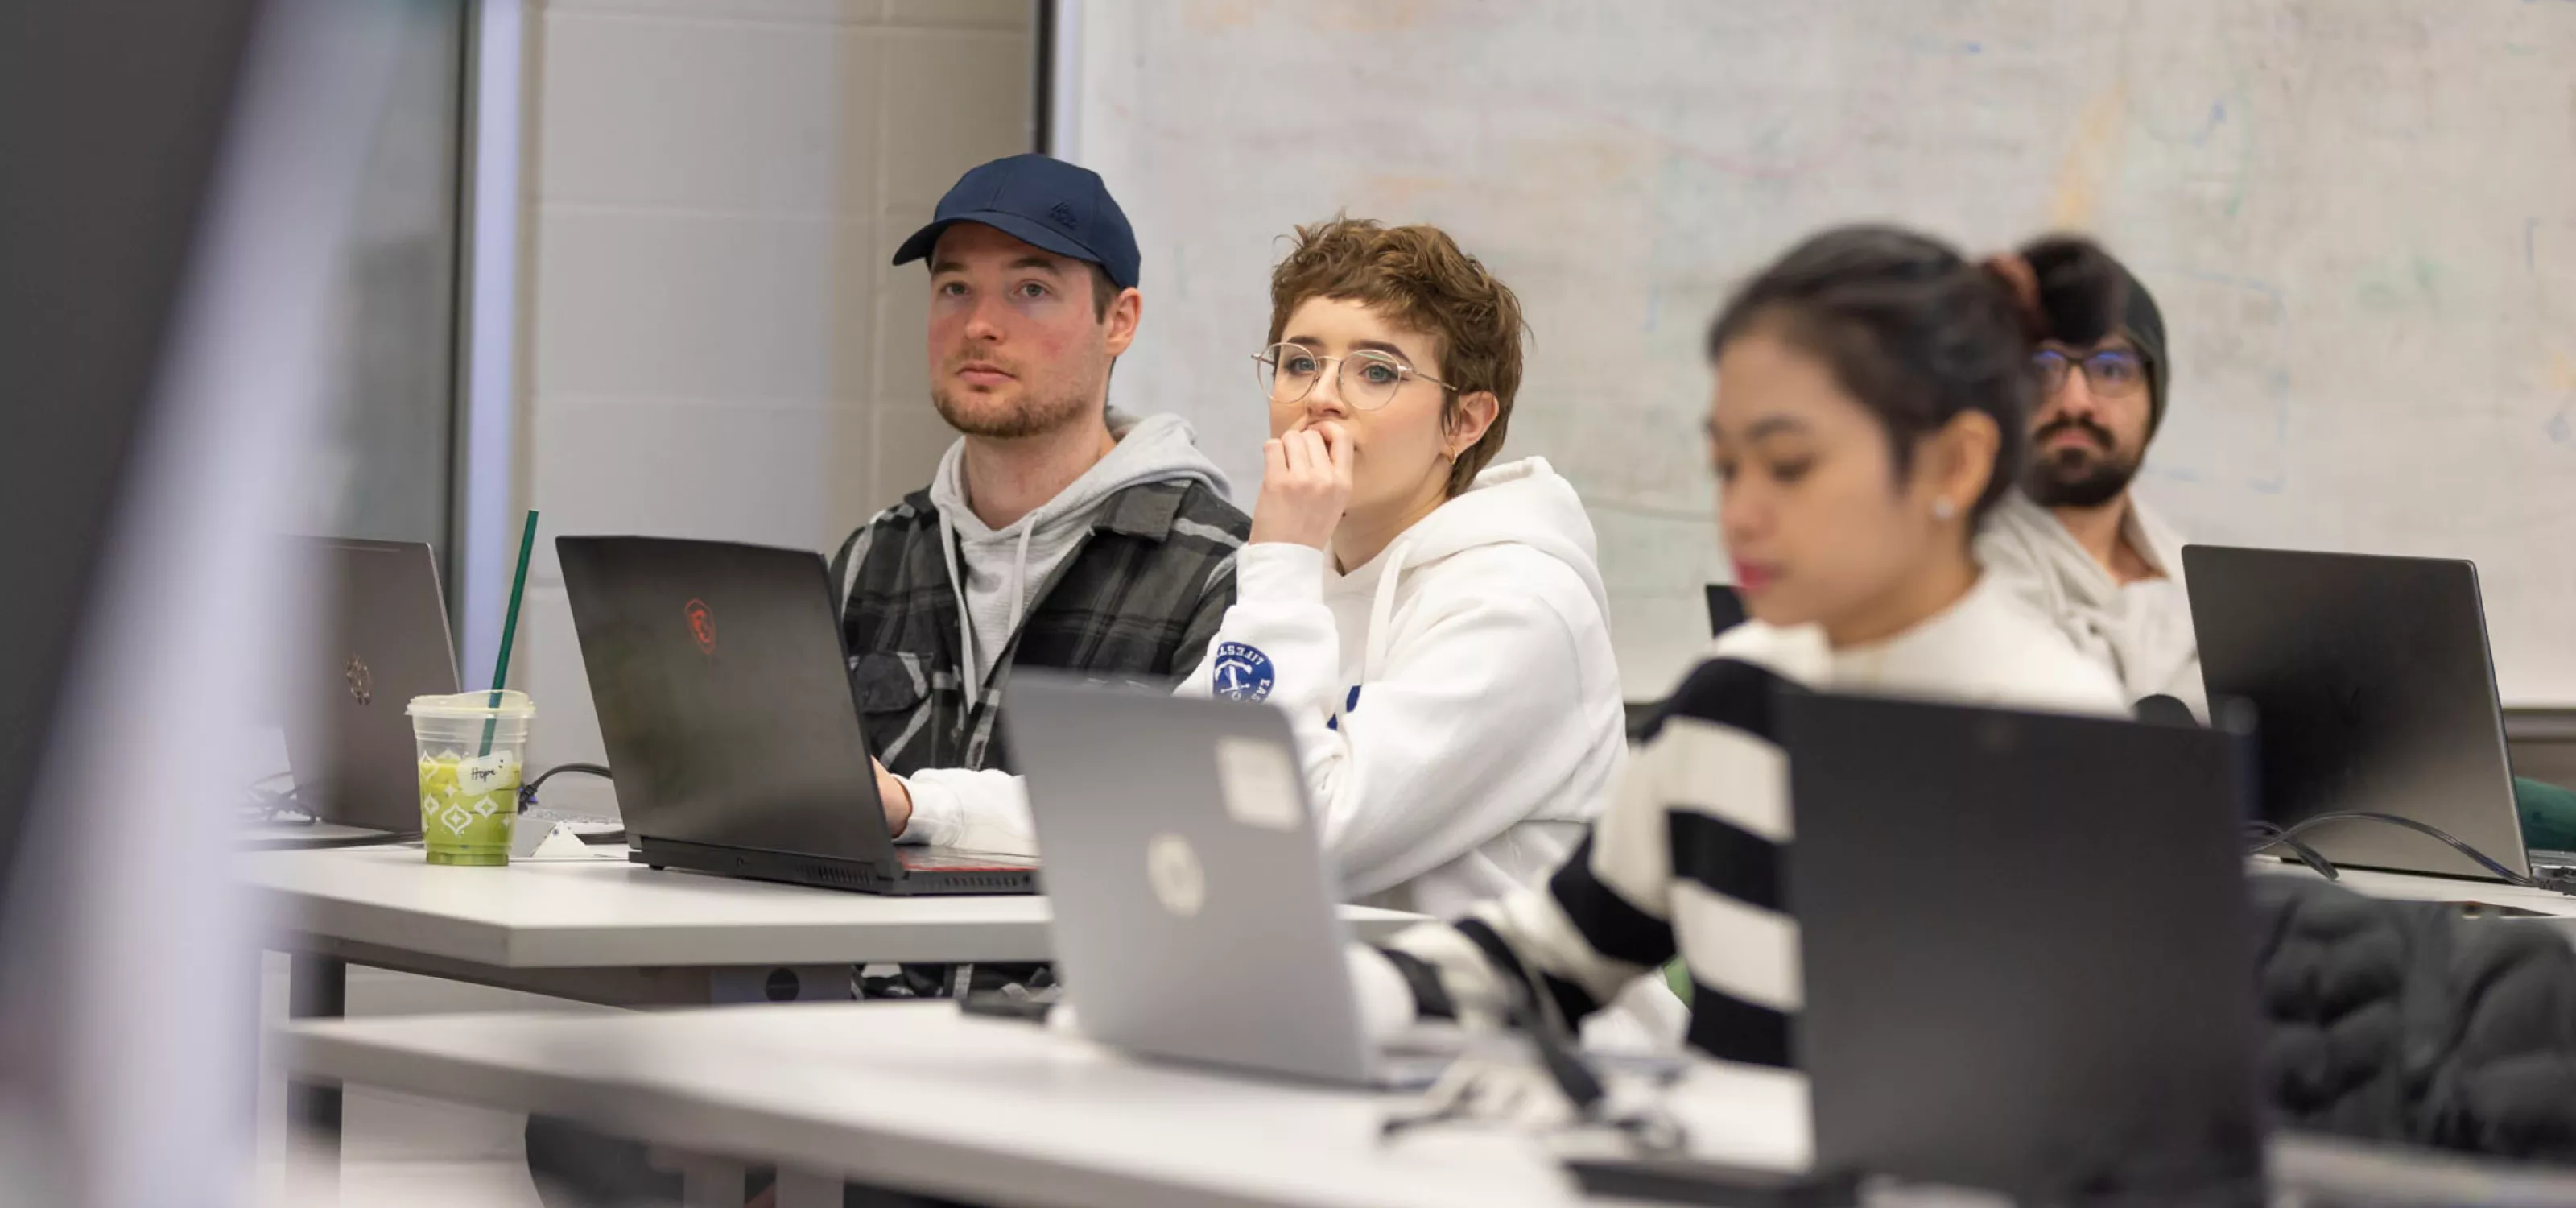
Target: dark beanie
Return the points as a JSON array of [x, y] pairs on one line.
[[2076, 306], [2145, 327]]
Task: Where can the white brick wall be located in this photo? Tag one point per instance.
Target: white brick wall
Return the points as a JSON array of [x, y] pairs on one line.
[[717, 347]]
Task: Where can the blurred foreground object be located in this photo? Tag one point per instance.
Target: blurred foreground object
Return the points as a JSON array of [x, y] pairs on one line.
[[178, 177]]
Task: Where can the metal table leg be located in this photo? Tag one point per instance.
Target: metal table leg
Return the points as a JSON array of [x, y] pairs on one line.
[[317, 987]]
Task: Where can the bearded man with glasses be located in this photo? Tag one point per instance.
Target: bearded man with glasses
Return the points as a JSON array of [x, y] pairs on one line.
[[2075, 540]]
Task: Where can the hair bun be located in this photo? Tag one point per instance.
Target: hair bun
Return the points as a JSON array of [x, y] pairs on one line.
[[2020, 283]]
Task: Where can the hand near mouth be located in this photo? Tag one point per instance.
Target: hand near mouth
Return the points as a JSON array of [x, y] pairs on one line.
[[1305, 486]]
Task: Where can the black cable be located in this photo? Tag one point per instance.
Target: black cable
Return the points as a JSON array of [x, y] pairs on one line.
[[283, 807], [528, 791], [283, 811], [2485, 861]]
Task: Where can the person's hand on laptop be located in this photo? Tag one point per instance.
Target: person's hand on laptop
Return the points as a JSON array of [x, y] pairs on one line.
[[895, 796]]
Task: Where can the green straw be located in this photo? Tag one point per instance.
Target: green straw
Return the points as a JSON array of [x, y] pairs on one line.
[[509, 629]]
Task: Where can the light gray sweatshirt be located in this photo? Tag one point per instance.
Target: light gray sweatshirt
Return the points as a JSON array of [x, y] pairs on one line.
[[2141, 633], [998, 573]]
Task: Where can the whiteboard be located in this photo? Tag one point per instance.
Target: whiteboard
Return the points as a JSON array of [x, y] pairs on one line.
[[2358, 215]]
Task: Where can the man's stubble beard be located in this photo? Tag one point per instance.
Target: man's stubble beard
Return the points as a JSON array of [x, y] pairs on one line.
[[1039, 412]]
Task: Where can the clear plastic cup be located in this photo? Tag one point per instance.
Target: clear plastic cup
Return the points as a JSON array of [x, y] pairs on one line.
[[469, 794]]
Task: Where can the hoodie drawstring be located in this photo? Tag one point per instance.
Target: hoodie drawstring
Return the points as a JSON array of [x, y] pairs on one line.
[[1020, 579], [965, 619], [971, 669], [1382, 611]]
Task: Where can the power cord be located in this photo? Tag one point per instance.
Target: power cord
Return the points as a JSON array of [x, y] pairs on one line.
[[2273, 836], [1534, 1014], [1560, 1054], [2561, 881], [528, 791], [277, 806], [273, 813]]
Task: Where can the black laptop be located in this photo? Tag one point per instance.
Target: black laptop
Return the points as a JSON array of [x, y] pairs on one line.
[[732, 729], [2372, 683], [381, 640], [1982, 1011], [1725, 608]]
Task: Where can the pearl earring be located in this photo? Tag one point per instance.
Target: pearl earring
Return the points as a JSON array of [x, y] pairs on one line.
[[1943, 509]]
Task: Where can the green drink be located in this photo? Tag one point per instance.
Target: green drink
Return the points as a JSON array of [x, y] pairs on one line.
[[469, 797]]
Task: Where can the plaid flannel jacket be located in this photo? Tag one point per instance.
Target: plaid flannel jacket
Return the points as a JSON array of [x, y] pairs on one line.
[[1138, 600]]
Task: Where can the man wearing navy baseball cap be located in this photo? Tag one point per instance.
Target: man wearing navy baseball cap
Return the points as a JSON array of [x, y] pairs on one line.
[[1056, 532]]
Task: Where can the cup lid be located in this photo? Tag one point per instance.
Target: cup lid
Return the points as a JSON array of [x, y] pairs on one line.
[[476, 705]]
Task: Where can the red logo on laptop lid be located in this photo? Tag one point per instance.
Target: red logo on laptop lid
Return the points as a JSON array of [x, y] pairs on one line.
[[702, 624]]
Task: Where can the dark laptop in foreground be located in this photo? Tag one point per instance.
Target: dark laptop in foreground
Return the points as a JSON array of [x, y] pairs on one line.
[[732, 728], [1725, 608], [381, 641], [2374, 692], [1981, 1011]]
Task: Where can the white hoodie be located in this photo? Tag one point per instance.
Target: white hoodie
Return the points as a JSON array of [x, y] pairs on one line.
[[1456, 700], [2141, 633]]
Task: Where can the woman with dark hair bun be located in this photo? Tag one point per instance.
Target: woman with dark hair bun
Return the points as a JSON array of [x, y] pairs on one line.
[[2076, 540], [1872, 391]]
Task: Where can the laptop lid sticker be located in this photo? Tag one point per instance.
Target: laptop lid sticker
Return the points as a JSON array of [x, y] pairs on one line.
[[1258, 780]]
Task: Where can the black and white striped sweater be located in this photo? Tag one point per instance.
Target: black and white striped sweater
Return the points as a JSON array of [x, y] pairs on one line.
[[1688, 859]]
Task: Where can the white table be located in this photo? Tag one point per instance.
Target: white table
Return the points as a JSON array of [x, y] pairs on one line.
[[2556, 909], [611, 932], [920, 1097], [916, 1095], [620, 934]]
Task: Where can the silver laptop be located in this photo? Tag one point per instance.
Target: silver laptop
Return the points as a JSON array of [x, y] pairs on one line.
[[1194, 907], [381, 640]]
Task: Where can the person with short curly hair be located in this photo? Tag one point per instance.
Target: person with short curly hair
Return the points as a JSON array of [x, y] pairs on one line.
[[1432, 620]]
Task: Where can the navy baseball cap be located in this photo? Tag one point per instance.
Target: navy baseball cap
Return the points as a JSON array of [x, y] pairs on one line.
[[1043, 202]]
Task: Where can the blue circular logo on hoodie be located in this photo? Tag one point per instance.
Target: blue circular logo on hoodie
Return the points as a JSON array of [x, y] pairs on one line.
[[1242, 673]]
